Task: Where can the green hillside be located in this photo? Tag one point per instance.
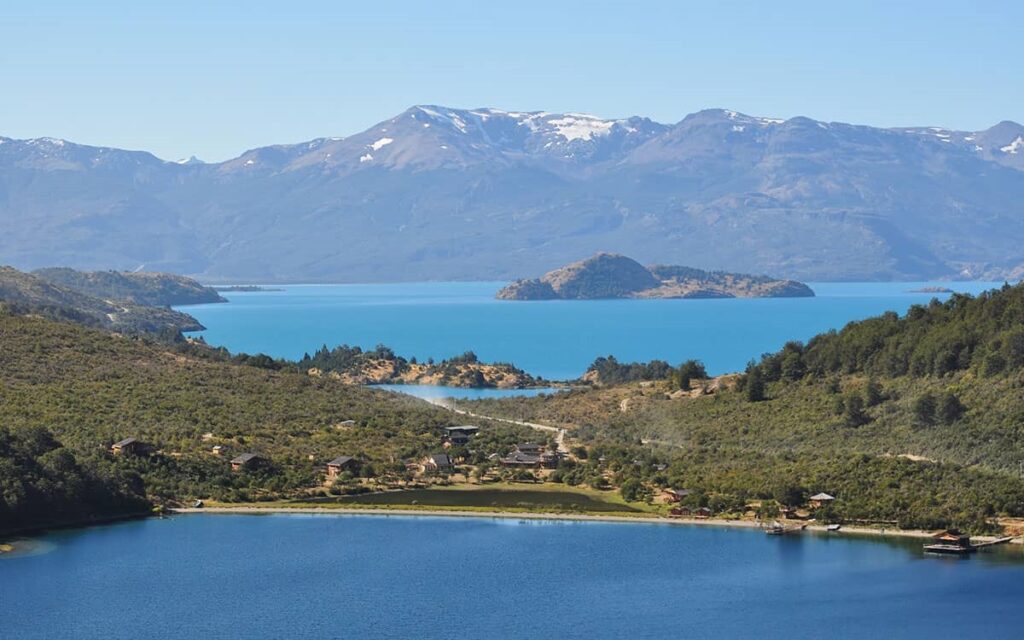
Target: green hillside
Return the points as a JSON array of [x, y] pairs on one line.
[[916, 419], [86, 389]]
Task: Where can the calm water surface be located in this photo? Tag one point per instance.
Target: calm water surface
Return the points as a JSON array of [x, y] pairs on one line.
[[554, 339], [293, 576]]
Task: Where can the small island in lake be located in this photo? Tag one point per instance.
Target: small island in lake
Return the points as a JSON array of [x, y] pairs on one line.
[[931, 290], [608, 275]]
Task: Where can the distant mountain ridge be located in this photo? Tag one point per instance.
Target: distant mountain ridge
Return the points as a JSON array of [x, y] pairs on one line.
[[465, 194], [607, 275]]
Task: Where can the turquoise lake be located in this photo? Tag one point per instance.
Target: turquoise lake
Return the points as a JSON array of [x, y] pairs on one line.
[[554, 339], [329, 576]]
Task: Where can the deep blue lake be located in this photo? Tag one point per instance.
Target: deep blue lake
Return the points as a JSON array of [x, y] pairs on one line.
[[554, 339], [327, 576]]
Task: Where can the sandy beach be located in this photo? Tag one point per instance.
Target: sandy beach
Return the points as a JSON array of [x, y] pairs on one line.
[[582, 517]]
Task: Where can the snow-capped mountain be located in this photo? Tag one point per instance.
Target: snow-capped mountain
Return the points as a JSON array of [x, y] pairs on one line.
[[438, 192]]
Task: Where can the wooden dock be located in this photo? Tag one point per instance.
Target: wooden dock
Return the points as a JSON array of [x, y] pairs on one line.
[[964, 549], [992, 543]]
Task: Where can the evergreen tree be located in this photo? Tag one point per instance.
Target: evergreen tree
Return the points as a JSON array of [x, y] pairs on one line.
[[755, 385]]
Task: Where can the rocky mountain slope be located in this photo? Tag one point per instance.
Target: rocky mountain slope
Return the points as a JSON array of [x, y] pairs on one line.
[[70, 296], [143, 288], [485, 193], [608, 275]]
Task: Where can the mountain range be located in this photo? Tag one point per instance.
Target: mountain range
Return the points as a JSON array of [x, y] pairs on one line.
[[441, 193]]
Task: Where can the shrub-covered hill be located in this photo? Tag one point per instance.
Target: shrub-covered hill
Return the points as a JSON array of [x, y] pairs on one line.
[[91, 388], [984, 334], [139, 287], [31, 293], [926, 411]]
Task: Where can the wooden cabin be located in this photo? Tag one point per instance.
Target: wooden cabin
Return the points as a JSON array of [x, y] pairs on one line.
[[674, 495], [680, 512], [438, 463], [820, 500], [128, 446], [245, 461], [530, 448], [702, 513], [341, 464], [530, 455], [459, 436]]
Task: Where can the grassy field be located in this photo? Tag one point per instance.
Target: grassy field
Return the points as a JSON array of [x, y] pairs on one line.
[[502, 497], [494, 499]]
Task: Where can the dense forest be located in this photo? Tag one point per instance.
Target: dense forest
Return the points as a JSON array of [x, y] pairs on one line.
[[44, 483]]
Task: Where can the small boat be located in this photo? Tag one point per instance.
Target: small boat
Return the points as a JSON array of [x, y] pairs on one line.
[[198, 504], [949, 549], [833, 527], [779, 529]]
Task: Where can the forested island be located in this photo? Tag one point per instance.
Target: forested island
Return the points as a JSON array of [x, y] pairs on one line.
[[608, 275]]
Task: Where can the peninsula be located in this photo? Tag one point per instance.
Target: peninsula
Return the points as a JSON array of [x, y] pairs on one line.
[[127, 302], [608, 275]]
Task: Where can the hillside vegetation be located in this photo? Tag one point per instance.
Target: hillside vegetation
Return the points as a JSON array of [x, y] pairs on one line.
[[916, 419], [89, 388], [381, 365], [139, 287], [78, 297]]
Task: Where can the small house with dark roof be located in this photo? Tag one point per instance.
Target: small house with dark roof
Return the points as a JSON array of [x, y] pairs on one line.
[[819, 500], [341, 464], [531, 455], [128, 446], [438, 463], [245, 461], [520, 459], [702, 513], [459, 436], [530, 448]]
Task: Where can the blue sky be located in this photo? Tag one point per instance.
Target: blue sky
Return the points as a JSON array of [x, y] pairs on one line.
[[185, 78]]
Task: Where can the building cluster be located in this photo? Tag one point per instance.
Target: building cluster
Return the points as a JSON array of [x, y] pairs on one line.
[[530, 455]]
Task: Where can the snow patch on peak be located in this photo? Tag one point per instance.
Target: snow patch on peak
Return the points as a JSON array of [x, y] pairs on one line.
[[54, 142], [383, 142], [365, 158], [189, 160], [1014, 146], [449, 117], [581, 127]]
